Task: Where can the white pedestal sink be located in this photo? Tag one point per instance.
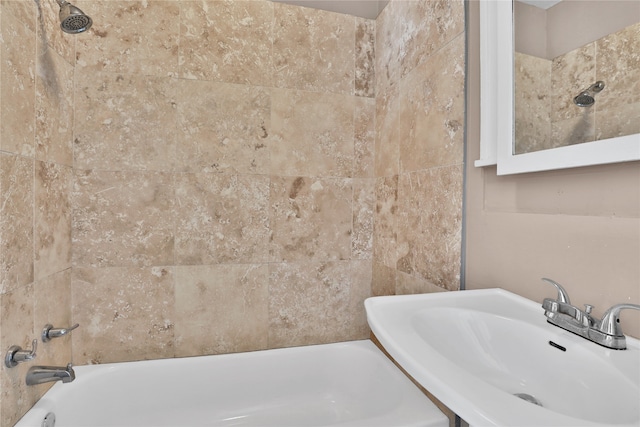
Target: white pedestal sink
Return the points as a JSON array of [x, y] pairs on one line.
[[492, 358]]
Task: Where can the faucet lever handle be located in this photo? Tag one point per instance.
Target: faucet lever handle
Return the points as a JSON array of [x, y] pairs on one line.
[[16, 355], [563, 296], [50, 332], [610, 320]]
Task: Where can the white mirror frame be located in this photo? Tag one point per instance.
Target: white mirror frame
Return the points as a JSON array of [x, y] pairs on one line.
[[497, 115]]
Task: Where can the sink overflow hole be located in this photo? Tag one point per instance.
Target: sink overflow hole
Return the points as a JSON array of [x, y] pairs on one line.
[[528, 398], [558, 346]]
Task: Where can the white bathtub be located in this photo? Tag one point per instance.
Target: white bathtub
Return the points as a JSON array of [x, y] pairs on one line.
[[343, 384]]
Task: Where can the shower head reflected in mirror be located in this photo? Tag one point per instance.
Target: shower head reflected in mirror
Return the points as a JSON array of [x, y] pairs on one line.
[[586, 97], [72, 19]]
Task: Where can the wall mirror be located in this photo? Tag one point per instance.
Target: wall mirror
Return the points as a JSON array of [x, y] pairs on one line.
[[560, 84]]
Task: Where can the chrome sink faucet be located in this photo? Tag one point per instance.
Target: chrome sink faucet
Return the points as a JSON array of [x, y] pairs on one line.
[[45, 374], [606, 331]]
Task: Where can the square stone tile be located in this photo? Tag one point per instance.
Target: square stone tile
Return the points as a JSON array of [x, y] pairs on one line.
[[221, 218], [228, 301], [125, 313], [123, 219], [227, 41], [310, 219]]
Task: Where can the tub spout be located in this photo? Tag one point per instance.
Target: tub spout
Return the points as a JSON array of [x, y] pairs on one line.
[[45, 374]]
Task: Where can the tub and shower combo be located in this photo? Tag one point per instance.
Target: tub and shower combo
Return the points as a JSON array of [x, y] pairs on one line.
[[342, 384]]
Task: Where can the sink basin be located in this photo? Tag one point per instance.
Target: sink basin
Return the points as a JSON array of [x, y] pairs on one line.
[[492, 358]]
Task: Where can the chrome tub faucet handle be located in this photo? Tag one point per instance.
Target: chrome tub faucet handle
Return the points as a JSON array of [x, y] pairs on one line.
[[50, 332], [16, 355]]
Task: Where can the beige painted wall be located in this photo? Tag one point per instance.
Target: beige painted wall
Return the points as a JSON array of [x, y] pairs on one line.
[[530, 35], [568, 25], [580, 226], [575, 23]]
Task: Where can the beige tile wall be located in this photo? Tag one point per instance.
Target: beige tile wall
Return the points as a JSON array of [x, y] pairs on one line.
[[36, 112], [222, 178], [532, 103], [546, 116], [420, 54], [199, 177]]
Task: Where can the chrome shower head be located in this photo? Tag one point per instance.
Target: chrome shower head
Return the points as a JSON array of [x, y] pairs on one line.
[[586, 97], [72, 19], [584, 100]]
